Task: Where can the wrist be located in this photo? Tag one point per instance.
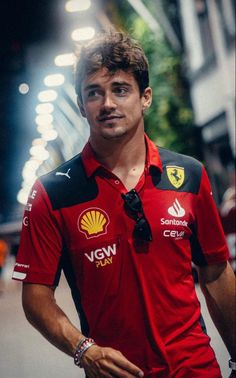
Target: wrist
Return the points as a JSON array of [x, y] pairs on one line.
[[232, 364], [81, 348]]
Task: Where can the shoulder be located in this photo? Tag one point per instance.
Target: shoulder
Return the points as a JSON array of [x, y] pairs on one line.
[[68, 185], [170, 158], [180, 171]]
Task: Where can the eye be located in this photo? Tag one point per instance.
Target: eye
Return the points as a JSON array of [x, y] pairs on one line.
[[121, 91], [92, 93]]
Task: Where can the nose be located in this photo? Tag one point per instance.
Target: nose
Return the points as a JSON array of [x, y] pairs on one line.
[[108, 102]]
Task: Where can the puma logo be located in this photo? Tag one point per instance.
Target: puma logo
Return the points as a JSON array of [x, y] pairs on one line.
[[63, 173]]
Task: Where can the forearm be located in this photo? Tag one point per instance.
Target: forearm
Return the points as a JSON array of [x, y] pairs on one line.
[[220, 298], [48, 318]]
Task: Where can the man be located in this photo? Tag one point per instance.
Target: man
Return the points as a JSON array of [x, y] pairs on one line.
[[124, 219]]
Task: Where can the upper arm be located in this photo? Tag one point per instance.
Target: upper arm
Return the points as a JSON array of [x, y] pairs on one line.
[[210, 273], [218, 279]]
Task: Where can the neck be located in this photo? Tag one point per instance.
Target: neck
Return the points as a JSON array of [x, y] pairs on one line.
[[121, 154]]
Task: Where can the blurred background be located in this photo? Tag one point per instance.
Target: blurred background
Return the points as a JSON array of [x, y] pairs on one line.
[[191, 50]]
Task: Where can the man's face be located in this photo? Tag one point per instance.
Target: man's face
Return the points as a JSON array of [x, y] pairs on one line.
[[112, 104]]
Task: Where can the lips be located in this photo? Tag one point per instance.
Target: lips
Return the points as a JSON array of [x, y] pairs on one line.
[[109, 118]]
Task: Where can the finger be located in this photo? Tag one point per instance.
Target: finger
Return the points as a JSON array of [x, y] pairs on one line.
[[99, 370], [109, 368], [128, 366], [108, 361], [122, 373], [120, 368]]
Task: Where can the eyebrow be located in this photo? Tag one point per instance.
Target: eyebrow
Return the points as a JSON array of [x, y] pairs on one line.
[[118, 83], [114, 84], [91, 86]]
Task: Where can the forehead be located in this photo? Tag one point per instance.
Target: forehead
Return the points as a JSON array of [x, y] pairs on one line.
[[103, 78]]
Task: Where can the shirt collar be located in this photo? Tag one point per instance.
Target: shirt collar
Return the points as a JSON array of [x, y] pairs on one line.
[[153, 157], [89, 161], [91, 164]]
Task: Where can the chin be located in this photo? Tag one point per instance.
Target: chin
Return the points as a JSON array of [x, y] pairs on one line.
[[113, 134]]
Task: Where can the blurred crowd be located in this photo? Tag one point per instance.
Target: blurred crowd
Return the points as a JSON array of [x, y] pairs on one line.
[[228, 217]]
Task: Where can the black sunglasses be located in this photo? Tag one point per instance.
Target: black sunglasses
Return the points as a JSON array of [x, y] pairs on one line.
[[133, 205]]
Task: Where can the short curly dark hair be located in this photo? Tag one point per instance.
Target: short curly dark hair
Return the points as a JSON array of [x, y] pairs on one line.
[[114, 51]]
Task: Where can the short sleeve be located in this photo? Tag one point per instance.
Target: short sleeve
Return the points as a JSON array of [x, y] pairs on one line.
[[209, 232], [40, 249]]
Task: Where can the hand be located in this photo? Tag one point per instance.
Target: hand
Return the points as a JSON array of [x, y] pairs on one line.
[[233, 374], [107, 362]]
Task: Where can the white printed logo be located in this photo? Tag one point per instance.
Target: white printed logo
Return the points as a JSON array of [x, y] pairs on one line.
[[101, 253], [176, 210], [63, 173], [175, 234], [102, 256], [20, 275], [26, 221], [33, 194], [28, 206]]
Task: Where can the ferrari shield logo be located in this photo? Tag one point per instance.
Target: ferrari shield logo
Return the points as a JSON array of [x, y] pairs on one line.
[[175, 175]]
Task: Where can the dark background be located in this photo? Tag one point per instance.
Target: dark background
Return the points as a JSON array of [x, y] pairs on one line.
[[22, 25]]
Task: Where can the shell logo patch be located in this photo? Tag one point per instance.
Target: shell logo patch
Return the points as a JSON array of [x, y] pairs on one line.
[[93, 222], [175, 175]]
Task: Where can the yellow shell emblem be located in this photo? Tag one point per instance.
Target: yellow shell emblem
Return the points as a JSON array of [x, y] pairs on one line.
[[175, 175], [93, 222]]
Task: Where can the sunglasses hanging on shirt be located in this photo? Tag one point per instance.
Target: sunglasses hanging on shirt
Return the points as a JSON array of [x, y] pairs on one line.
[[133, 205]]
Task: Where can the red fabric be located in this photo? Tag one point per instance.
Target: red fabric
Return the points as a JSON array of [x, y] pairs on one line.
[[138, 299]]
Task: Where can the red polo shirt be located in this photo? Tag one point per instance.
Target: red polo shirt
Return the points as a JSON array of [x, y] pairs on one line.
[[137, 297]]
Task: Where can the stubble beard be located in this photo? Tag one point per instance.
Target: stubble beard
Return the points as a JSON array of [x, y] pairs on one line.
[[112, 132], [114, 136]]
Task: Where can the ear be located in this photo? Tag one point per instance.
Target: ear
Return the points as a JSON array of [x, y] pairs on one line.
[[146, 98], [81, 107]]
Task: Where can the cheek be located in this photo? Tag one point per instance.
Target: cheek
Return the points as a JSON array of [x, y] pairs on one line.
[[136, 105], [137, 110], [90, 112]]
